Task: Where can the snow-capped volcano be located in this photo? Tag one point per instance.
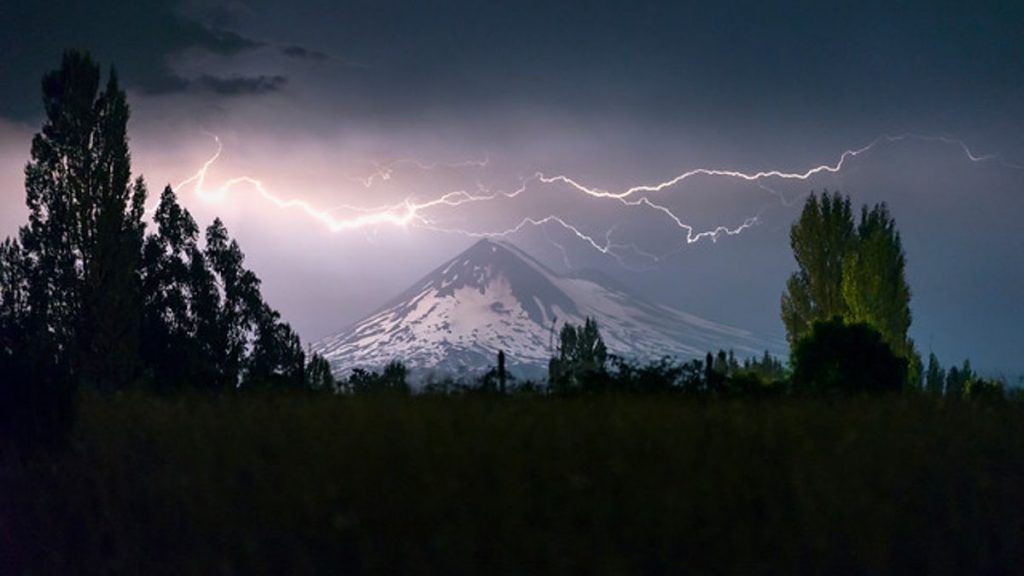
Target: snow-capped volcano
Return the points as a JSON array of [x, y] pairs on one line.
[[495, 297]]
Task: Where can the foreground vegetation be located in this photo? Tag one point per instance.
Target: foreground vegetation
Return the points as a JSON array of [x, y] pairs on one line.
[[603, 484]]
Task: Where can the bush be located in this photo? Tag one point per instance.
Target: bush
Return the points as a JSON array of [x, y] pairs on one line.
[[846, 359], [984, 389], [752, 384], [391, 381]]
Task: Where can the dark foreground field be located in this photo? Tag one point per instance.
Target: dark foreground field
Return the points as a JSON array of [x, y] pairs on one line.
[[297, 485]]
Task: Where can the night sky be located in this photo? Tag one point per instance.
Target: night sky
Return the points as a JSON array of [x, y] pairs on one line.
[[363, 109]]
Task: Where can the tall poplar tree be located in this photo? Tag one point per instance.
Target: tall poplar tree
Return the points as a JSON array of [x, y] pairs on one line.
[[821, 240], [84, 235], [875, 285]]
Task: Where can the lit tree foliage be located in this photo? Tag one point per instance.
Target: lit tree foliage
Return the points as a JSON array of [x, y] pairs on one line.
[[856, 274], [821, 240], [875, 287]]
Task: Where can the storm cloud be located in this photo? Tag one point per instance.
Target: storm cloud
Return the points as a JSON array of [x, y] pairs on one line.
[[140, 38], [242, 85], [301, 53]]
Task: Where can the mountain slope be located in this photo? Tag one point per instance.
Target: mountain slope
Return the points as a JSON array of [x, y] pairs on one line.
[[495, 297]]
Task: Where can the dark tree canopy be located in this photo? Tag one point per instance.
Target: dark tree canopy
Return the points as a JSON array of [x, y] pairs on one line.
[[319, 376], [69, 294], [84, 236], [87, 299], [934, 377], [582, 359], [838, 358], [391, 381], [205, 319], [958, 378], [277, 359]]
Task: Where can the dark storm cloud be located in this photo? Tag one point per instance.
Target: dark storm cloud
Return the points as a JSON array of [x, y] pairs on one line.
[[221, 41], [242, 85], [658, 60], [139, 37], [655, 61], [301, 53]]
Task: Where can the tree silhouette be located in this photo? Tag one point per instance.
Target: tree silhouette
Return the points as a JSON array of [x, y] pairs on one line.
[[984, 389], [767, 367], [502, 374], [241, 306], [394, 377], [86, 299], [662, 376], [391, 381], [13, 297], [69, 300], [205, 320], [36, 394], [716, 369], [935, 377], [582, 360], [209, 329], [957, 379], [170, 347], [277, 358], [84, 235], [318, 374]]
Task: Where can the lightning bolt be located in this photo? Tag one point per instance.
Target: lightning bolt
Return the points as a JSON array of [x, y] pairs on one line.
[[412, 213], [768, 174]]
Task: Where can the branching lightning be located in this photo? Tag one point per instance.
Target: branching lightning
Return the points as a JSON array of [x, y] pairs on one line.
[[768, 174], [420, 213]]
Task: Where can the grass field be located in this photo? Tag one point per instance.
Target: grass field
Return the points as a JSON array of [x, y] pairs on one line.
[[630, 485]]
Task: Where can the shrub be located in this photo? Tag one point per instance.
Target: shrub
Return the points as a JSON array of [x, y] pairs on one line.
[[984, 389], [846, 359]]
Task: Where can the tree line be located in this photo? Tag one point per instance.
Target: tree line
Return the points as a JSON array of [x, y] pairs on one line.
[[836, 359], [89, 299]]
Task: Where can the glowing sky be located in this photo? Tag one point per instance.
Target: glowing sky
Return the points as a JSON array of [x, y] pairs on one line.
[[382, 133]]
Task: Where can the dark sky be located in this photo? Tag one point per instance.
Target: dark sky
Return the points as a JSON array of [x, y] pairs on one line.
[[311, 97]]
